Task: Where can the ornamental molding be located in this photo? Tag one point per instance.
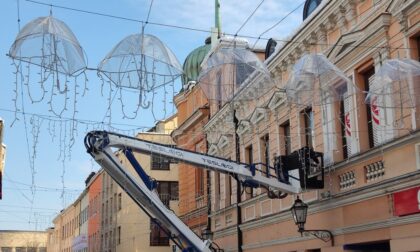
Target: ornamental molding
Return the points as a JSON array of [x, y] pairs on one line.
[[244, 126], [373, 33], [258, 115], [221, 121], [278, 99], [330, 17], [345, 43], [213, 150], [224, 141]]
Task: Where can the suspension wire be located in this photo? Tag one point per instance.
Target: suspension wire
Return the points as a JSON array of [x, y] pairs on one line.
[[150, 9], [204, 30], [278, 22], [249, 17]]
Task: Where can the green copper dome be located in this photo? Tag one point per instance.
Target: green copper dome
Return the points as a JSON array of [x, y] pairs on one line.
[[193, 61]]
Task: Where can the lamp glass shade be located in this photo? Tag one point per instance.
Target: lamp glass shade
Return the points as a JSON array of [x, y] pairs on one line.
[[299, 211]]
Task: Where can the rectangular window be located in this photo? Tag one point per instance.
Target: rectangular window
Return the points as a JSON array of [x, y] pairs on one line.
[[308, 120], [168, 190], [265, 154], [414, 44], [119, 201], [119, 235], [343, 126], [115, 202], [249, 159], [158, 237], [228, 189], [6, 249], [217, 186], [285, 143], [199, 182], [199, 174], [160, 163], [367, 77]]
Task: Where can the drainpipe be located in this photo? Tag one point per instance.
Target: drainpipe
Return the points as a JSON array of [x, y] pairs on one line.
[[238, 184]]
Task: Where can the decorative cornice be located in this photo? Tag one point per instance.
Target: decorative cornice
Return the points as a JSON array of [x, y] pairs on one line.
[[213, 150], [258, 115], [224, 141], [244, 126], [219, 117], [276, 100]]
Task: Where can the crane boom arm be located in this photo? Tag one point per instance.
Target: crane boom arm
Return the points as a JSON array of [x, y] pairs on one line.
[[102, 146]]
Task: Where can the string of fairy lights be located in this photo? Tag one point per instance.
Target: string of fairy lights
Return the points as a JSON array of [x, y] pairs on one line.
[[63, 125]]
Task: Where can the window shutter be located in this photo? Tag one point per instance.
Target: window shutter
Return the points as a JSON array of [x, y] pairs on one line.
[[328, 128], [375, 109], [382, 112], [348, 123]]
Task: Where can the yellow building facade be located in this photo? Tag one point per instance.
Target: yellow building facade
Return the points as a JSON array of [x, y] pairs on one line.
[[125, 226], [367, 176], [23, 241]]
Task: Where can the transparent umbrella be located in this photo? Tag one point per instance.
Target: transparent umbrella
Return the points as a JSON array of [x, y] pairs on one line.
[[47, 46], [314, 80], [226, 75], [50, 44], [396, 84], [143, 64]]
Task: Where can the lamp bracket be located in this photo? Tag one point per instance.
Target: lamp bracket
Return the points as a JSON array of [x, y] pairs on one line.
[[323, 235]]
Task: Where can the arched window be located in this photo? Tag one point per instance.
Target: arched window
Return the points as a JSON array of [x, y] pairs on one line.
[[309, 7]]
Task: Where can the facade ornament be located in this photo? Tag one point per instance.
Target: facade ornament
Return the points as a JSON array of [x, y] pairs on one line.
[[332, 21], [351, 13], [290, 61], [306, 46], [341, 19], [403, 21], [298, 52], [322, 37]]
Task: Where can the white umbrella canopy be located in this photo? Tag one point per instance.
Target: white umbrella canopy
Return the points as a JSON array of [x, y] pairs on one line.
[[314, 80], [396, 84], [49, 43], [226, 75], [142, 62], [142, 66]]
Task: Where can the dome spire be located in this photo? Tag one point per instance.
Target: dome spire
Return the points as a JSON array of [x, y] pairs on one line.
[[217, 22]]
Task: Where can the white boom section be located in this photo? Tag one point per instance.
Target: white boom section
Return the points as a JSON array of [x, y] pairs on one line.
[[100, 144], [148, 200], [201, 161]]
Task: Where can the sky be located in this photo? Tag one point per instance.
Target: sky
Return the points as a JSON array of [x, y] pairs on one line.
[[46, 162]]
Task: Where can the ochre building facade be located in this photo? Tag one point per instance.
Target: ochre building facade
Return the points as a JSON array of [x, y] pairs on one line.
[[370, 199]]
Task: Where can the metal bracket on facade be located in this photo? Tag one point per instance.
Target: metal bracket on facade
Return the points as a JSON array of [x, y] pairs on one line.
[[323, 235]]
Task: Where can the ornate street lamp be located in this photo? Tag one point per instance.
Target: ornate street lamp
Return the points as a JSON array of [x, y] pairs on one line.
[[299, 212]]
